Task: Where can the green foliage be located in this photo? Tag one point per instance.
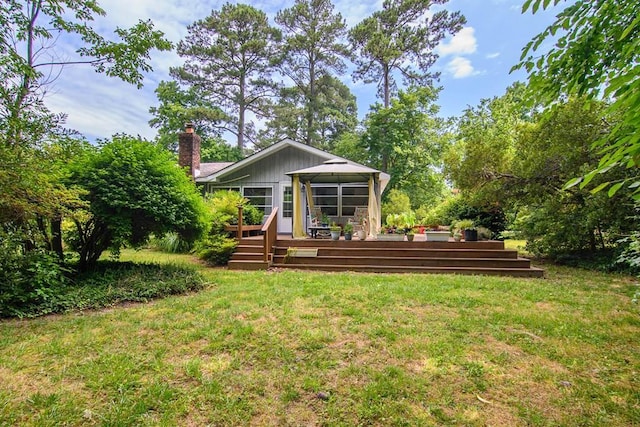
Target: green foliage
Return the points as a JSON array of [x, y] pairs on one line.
[[406, 140], [27, 278], [223, 210], [179, 106], [215, 249], [134, 189], [320, 105], [401, 38], [110, 283], [397, 202], [228, 58], [170, 242], [596, 55]]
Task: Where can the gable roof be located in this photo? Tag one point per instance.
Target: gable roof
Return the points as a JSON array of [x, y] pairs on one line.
[[272, 149], [207, 169]]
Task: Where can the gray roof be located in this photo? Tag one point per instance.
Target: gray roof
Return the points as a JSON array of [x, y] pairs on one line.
[[337, 170], [207, 169]]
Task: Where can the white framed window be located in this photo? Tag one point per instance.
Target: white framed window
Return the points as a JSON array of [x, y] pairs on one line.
[[260, 197], [287, 202]]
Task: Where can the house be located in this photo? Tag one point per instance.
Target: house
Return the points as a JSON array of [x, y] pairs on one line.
[[282, 175]]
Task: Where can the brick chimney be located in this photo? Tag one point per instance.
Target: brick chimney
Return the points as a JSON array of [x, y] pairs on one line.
[[189, 150]]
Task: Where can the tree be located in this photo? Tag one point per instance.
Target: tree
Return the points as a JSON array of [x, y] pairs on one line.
[[411, 138], [397, 37], [228, 59], [133, 188], [33, 143], [312, 50], [29, 62], [485, 145], [178, 107], [597, 55], [337, 112]]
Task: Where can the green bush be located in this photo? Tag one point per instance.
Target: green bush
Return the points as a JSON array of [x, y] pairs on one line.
[[215, 249], [223, 208], [27, 278], [171, 243], [108, 284]]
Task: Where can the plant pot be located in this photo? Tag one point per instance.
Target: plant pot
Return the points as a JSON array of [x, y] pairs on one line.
[[410, 237], [437, 236], [362, 235], [390, 237], [470, 235], [457, 237], [335, 235], [348, 236]]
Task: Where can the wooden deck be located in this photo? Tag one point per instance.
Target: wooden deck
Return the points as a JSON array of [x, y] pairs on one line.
[[485, 257]]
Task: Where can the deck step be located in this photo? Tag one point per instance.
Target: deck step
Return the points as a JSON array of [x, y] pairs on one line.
[[406, 261], [248, 265], [515, 272]]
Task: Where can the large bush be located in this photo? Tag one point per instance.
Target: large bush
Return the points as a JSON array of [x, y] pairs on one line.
[[134, 189], [27, 278]]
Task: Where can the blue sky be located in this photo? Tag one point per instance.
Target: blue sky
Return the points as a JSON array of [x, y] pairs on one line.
[[474, 64]]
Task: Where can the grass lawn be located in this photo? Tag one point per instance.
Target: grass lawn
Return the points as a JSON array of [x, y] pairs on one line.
[[293, 348]]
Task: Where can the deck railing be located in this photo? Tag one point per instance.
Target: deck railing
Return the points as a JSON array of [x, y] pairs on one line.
[[270, 234]]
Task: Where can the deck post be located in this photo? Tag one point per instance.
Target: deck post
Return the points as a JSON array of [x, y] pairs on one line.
[[240, 208]]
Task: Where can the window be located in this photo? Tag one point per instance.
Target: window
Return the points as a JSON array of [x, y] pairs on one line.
[[353, 197], [287, 203], [260, 197], [326, 198]]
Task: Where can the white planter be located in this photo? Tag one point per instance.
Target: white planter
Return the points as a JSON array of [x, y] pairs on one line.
[[437, 236], [362, 235], [391, 237]]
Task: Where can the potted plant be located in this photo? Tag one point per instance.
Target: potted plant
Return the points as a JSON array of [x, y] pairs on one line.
[[410, 235], [348, 231], [335, 231], [457, 236], [468, 227], [325, 220]]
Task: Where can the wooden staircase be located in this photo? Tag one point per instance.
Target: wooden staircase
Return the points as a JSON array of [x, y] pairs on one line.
[[249, 255]]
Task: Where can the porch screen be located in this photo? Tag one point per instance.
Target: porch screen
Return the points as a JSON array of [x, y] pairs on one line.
[[352, 197], [326, 198]]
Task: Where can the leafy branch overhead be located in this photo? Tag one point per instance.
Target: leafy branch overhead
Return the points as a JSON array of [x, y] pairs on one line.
[[596, 54]]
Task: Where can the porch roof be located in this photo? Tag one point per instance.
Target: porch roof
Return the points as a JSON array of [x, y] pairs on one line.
[[340, 171]]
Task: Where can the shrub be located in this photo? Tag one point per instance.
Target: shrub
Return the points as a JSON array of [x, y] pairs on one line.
[[223, 207], [27, 278], [171, 243], [108, 284], [215, 249]]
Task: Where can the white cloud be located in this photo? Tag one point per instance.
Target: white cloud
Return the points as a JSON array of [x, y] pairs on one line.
[[460, 68], [464, 42], [493, 55]]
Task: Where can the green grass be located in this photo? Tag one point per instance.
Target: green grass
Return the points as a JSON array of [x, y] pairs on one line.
[[294, 348]]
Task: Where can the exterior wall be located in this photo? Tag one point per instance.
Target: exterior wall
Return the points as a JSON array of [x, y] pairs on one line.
[[269, 172]]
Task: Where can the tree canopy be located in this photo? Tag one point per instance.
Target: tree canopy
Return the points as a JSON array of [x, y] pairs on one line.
[[228, 59], [401, 37], [596, 54]]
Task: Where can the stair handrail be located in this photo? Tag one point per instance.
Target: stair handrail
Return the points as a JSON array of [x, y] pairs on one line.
[[270, 234]]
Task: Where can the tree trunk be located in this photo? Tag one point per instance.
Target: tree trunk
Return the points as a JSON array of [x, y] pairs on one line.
[[241, 113], [56, 237], [311, 105]]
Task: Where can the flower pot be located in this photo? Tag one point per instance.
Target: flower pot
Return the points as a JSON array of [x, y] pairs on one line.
[[410, 237], [335, 235], [390, 237], [470, 235], [362, 235], [347, 236], [437, 236]]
